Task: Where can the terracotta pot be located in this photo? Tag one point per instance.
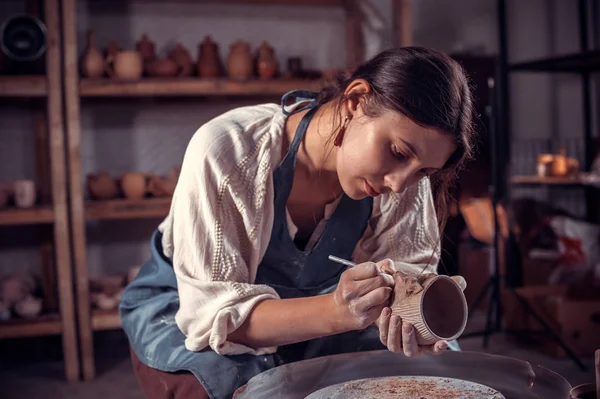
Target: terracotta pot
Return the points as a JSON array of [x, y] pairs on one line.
[[163, 67], [239, 61], [560, 164], [16, 288], [25, 194], [125, 65], [102, 187], [209, 63], [266, 62], [584, 391], [92, 62], [182, 58], [133, 185], [146, 48], [544, 165], [434, 304]]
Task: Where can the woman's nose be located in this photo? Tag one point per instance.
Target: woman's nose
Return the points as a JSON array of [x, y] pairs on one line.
[[399, 180]]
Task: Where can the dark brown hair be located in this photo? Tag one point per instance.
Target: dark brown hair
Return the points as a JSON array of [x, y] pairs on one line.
[[428, 87]]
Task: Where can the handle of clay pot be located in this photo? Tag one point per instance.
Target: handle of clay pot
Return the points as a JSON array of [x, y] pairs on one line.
[[108, 65]]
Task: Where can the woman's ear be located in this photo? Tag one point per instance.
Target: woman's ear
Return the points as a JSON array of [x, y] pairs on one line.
[[355, 92]]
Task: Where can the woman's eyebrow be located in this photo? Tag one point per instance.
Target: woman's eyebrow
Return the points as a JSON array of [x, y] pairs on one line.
[[410, 147]]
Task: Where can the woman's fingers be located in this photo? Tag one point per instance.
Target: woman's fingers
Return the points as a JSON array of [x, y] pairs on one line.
[[462, 283], [362, 272], [436, 349], [409, 341], [384, 324], [377, 297], [363, 287], [394, 341]]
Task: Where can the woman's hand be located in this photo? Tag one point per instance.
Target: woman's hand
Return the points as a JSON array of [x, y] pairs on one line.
[[400, 337], [361, 295]]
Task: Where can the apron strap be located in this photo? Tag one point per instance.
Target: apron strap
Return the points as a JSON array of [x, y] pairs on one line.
[[298, 96]]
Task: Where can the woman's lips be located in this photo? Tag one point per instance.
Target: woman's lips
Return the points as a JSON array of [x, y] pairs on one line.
[[370, 190]]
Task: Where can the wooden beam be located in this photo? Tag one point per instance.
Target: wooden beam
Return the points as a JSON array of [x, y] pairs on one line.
[[403, 27], [71, 92], [59, 191]]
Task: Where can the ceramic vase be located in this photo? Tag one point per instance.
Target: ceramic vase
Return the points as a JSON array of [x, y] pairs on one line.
[[25, 194], [163, 67], [435, 306], [239, 61], [266, 62], [209, 63], [5, 194], [92, 62], [146, 48]]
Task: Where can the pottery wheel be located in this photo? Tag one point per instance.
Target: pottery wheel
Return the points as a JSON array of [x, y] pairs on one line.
[[407, 387], [512, 378]]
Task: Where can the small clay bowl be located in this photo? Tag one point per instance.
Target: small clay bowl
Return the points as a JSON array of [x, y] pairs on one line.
[[438, 311], [584, 391]]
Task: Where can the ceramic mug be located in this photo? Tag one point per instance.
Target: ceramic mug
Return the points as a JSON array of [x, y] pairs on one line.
[[24, 193], [125, 65]]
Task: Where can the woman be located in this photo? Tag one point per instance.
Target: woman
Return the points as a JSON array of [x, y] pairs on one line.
[[239, 280]]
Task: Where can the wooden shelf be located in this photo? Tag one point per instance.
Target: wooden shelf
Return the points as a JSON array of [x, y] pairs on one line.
[[36, 215], [23, 86], [127, 209], [572, 181], [185, 87], [106, 320], [40, 326], [321, 3]]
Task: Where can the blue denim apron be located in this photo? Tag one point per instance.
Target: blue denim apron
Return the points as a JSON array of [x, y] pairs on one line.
[[150, 302]]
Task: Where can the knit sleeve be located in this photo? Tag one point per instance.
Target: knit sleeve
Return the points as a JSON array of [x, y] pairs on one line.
[[403, 227], [219, 228]]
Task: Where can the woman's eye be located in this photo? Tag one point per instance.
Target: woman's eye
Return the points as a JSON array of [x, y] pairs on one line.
[[397, 153]]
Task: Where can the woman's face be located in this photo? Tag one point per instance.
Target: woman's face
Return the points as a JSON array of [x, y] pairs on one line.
[[388, 153]]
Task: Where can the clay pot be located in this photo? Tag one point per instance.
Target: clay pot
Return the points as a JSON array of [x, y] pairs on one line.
[[163, 67], [182, 58], [125, 65], [584, 391], [239, 61], [133, 185], [108, 285], [102, 187], [544, 165], [29, 307], [146, 48], [92, 62], [16, 288], [209, 63], [435, 305], [25, 194], [266, 62]]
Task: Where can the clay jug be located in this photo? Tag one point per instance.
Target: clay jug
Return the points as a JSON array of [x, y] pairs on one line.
[[560, 164], [112, 48], [125, 65], [92, 62], [182, 57], [209, 64], [146, 48], [239, 61], [266, 62]]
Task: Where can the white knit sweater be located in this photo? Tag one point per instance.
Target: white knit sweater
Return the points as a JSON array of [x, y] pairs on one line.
[[221, 217]]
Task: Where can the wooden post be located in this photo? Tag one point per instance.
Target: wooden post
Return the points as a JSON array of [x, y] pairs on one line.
[[71, 89], [403, 29], [59, 191], [354, 38]]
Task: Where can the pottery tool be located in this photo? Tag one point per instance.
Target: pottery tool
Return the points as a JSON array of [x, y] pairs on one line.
[[348, 263]]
